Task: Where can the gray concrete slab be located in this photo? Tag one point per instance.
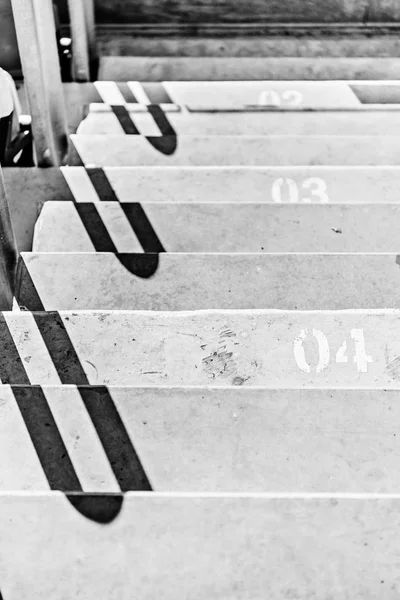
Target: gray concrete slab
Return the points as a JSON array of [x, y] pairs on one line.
[[240, 184], [329, 349], [225, 547], [178, 281], [209, 440], [161, 68], [220, 227], [102, 121], [223, 150]]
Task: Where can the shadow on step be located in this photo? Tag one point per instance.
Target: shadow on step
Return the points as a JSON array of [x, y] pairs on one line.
[[43, 430]]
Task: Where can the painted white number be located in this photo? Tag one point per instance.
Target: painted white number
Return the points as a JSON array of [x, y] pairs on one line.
[[314, 185], [286, 98], [361, 359]]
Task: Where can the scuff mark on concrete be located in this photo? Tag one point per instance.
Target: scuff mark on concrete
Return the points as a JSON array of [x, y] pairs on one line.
[[393, 369]]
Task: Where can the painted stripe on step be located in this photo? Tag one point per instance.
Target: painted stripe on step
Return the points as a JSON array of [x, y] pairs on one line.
[[81, 440], [125, 120], [46, 438], [61, 349], [110, 93], [117, 444], [81, 184], [12, 368], [20, 468], [139, 93], [97, 231], [126, 92], [32, 350]]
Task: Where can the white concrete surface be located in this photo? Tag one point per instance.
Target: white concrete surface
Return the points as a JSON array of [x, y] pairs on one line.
[[239, 184], [218, 439], [176, 546], [218, 227], [241, 94], [224, 150], [354, 348], [196, 281], [163, 68]]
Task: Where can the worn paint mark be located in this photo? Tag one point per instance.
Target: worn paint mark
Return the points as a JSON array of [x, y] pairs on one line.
[[393, 369]]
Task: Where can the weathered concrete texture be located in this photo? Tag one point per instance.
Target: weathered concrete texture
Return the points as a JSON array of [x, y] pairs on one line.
[[161, 68], [109, 281], [242, 11], [353, 349], [102, 122], [249, 184], [224, 150], [336, 43], [220, 547], [216, 440], [224, 228], [236, 94]]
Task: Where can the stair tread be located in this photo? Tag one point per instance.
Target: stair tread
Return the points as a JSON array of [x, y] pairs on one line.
[[210, 347], [225, 150], [221, 227]]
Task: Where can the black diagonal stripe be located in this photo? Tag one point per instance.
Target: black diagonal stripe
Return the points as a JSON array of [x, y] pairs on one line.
[[156, 92], [116, 442], [125, 120], [161, 120], [101, 184], [142, 227], [127, 93], [26, 293], [46, 438], [12, 370], [95, 227], [60, 348]]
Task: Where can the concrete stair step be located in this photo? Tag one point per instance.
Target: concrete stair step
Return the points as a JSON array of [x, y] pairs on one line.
[[178, 281], [241, 440], [219, 227], [255, 12], [238, 40], [328, 349], [103, 119], [234, 94], [160, 68], [192, 544], [208, 184], [224, 150]]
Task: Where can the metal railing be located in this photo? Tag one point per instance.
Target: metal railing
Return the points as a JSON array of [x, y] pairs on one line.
[[37, 43]]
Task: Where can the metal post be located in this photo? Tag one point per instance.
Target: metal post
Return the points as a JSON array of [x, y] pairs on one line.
[[80, 41], [8, 251], [34, 23], [91, 28]]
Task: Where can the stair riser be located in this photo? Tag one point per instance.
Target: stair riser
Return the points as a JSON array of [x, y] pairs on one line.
[[131, 150], [215, 184], [127, 68], [273, 440], [225, 544], [252, 348], [61, 227], [256, 123]]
